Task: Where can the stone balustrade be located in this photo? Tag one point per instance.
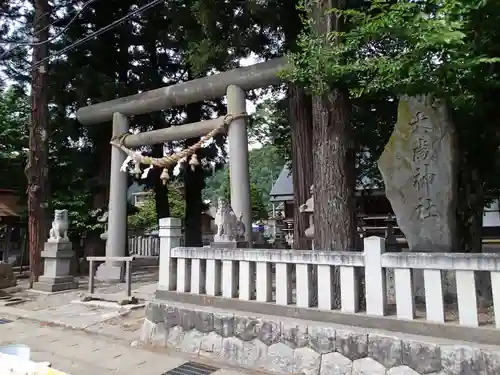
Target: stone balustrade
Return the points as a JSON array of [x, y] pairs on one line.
[[268, 275], [274, 310]]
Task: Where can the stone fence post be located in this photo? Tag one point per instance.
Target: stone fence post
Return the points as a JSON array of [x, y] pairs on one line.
[[170, 233], [375, 284]]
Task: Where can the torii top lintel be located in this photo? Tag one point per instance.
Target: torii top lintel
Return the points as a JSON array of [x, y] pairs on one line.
[[200, 89]]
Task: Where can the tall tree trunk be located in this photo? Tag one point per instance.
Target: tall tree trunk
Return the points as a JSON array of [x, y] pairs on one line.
[[334, 176], [334, 160], [470, 208], [37, 167], [161, 191], [194, 182], [94, 245], [300, 118]]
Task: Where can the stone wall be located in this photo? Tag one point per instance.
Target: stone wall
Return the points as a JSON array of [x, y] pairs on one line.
[[290, 346]]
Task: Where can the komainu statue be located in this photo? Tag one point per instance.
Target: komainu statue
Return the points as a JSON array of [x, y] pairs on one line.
[[229, 227], [59, 230]]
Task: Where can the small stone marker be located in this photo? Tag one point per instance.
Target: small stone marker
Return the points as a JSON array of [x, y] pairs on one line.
[[418, 167], [57, 256]]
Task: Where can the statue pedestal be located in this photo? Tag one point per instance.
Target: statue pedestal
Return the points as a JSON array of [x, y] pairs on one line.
[[57, 258]]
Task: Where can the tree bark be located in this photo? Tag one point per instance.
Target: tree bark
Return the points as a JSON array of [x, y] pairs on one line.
[[94, 245], [158, 118], [470, 208], [194, 182], [334, 159], [37, 166], [334, 177], [300, 118], [161, 190]]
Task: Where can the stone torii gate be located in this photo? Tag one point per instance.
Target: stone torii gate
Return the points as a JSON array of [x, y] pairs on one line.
[[232, 83]]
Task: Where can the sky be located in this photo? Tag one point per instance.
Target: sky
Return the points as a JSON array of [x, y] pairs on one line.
[[250, 60]]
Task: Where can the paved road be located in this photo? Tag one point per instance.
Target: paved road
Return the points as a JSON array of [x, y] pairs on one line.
[[80, 353]]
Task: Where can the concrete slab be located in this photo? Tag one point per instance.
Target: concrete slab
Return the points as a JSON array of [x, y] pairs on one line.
[[76, 315]]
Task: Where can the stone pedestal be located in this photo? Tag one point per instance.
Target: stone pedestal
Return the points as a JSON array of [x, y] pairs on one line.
[[57, 267]]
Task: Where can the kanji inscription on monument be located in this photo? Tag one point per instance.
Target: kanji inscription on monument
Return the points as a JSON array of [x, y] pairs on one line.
[[418, 167]]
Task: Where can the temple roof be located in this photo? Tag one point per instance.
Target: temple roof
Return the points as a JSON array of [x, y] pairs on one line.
[[282, 189]]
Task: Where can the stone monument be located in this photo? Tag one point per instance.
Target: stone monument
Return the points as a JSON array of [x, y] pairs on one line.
[[418, 167], [57, 256], [308, 208], [230, 229]]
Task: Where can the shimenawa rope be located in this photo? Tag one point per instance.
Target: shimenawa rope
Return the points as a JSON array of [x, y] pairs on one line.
[[166, 161]]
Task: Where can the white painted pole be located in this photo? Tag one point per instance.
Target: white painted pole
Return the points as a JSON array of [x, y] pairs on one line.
[[238, 159]]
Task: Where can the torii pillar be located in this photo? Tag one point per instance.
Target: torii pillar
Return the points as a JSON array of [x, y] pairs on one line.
[[239, 177], [117, 211]]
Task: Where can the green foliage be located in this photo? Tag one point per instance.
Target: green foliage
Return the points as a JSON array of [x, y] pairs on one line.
[[404, 47], [448, 49], [14, 117], [176, 201], [269, 126], [259, 208], [145, 219], [265, 164]]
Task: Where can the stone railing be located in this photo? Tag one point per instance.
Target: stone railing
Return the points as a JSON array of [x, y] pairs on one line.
[[284, 277], [148, 245]]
